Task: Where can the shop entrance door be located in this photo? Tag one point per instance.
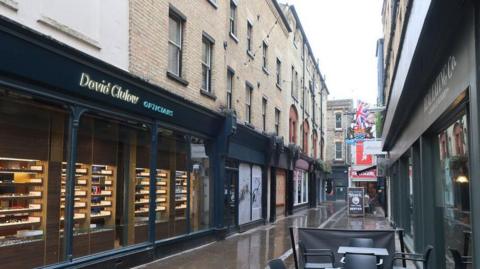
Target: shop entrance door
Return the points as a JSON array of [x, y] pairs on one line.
[[340, 193], [231, 199]]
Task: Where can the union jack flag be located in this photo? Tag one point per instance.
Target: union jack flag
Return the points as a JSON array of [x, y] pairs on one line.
[[361, 115]]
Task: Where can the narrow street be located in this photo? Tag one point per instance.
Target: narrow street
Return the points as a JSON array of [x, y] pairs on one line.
[[251, 249]]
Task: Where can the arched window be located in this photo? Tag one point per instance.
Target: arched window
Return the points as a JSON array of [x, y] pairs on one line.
[[292, 123], [314, 143], [306, 130]]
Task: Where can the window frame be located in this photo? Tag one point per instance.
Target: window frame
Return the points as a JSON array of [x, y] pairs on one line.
[[277, 121], [180, 20], [264, 114], [279, 73], [208, 66], [337, 150], [230, 82], [265, 56], [248, 103], [232, 17], [249, 37], [336, 120]]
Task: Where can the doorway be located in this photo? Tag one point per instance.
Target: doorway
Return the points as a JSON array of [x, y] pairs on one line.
[[231, 198]]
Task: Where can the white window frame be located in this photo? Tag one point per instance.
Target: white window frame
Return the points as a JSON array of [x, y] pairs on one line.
[[336, 126], [178, 46], [233, 18], [264, 114], [341, 150], [265, 56], [248, 103], [230, 79], [249, 36], [207, 66]]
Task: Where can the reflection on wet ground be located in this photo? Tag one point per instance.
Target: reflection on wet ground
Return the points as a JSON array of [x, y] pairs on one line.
[[252, 249]]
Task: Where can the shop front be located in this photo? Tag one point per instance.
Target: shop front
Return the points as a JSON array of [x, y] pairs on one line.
[[301, 185], [247, 199], [278, 178], [100, 167], [433, 152]]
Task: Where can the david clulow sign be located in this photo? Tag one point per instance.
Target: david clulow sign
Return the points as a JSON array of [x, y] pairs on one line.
[[118, 92], [356, 201]]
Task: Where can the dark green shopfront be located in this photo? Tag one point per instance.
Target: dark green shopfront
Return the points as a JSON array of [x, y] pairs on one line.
[[432, 132], [101, 169]]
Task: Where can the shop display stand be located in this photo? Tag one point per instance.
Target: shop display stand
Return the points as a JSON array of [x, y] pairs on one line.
[[80, 196], [142, 189], [102, 202], [180, 193], [22, 184]]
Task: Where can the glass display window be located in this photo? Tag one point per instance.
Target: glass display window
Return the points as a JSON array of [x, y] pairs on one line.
[[300, 187], [32, 148], [454, 174], [201, 186]]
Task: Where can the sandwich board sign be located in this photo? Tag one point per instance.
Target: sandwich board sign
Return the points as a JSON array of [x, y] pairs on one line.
[[356, 198]]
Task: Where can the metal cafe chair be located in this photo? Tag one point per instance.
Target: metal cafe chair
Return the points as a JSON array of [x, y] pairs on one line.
[[461, 262], [361, 242], [324, 257], [424, 258], [276, 264]]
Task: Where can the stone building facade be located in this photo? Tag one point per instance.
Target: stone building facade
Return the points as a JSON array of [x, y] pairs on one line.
[[259, 57]]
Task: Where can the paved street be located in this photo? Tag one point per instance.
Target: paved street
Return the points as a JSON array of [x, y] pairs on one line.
[[254, 248]]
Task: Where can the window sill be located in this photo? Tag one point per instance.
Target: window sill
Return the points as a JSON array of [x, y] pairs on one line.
[[265, 71], [250, 54], [208, 94], [249, 125], [278, 86], [338, 129], [234, 37], [176, 78], [213, 4]]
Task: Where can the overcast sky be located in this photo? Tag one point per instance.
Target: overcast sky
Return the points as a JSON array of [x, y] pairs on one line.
[[343, 36]]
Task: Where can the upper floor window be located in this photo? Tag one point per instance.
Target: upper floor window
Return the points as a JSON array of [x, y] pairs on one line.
[[175, 32], [264, 114], [293, 121], [207, 46], [338, 150], [233, 17], [230, 76], [265, 55], [279, 72], [248, 103], [249, 37], [277, 121], [338, 120]]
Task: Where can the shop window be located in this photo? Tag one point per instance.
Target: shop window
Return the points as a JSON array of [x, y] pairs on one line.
[[112, 180], [171, 214], [249, 193], [300, 187], [201, 184], [455, 175], [32, 148]]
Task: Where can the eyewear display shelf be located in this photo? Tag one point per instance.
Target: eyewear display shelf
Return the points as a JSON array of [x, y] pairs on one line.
[[22, 212], [94, 207], [181, 194], [142, 189]]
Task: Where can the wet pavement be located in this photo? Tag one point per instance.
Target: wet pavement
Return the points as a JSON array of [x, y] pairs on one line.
[[254, 248]]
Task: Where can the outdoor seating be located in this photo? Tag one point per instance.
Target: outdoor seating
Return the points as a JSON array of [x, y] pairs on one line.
[[461, 262], [276, 264], [424, 258], [327, 242]]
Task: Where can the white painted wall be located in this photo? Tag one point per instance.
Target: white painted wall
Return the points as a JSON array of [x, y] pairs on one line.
[[97, 27]]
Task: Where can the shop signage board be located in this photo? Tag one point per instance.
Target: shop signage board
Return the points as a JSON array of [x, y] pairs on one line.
[[367, 176], [356, 198], [373, 147]]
